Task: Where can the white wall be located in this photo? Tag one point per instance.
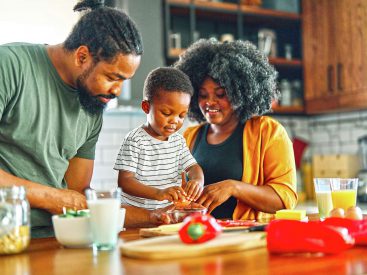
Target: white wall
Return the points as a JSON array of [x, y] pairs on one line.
[[36, 21]]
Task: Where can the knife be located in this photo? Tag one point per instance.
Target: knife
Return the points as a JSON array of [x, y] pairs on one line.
[[248, 229]]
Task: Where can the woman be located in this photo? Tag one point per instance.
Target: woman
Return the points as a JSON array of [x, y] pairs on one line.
[[247, 158]]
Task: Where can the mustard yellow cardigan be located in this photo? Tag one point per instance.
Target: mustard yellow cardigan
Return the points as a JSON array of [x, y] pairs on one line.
[[268, 159]]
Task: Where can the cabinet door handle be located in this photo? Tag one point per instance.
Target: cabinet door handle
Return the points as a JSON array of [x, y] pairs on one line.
[[339, 76], [330, 72]]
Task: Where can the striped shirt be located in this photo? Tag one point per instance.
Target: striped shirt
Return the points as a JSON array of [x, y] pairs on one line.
[[155, 163]]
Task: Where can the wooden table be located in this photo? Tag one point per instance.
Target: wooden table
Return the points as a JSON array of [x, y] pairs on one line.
[[47, 256]]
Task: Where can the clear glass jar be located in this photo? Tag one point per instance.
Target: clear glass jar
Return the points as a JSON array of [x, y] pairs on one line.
[[286, 93], [14, 220]]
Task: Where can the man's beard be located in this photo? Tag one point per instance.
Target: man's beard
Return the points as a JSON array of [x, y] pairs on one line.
[[90, 103]]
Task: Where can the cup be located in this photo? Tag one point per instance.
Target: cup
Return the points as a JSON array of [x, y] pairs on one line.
[[174, 41], [104, 207], [323, 196], [288, 51], [344, 193]]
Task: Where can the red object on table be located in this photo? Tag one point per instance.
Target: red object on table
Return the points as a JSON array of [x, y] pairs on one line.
[[199, 229], [290, 236], [357, 228], [235, 223]]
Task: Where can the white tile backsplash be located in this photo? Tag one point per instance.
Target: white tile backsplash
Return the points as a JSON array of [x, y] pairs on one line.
[[329, 134], [116, 124]]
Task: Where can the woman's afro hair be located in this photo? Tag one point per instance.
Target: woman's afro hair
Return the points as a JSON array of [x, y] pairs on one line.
[[242, 70]]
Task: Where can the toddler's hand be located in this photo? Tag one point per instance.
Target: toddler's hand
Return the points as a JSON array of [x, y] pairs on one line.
[[173, 194], [193, 189]]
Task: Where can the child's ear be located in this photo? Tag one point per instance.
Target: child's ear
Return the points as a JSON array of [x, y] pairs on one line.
[[145, 106]]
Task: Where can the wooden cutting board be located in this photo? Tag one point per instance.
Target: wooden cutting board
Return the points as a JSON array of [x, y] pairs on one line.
[[171, 247], [172, 229]]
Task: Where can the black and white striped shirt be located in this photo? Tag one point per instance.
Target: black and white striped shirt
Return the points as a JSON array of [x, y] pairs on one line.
[[155, 163]]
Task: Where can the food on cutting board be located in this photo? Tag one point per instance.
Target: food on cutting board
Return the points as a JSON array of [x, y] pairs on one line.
[[174, 227], [199, 229], [237, 223], [188, 205], [182, 204], [287, 214], [354, 213]]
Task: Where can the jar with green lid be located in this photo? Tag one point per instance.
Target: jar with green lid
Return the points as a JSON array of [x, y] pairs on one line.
[[14, 220]]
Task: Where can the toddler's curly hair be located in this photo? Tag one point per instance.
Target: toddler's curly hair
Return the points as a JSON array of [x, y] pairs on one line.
[[242, 70], [166, 79]]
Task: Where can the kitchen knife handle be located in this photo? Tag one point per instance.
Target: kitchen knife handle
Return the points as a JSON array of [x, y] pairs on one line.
[[339, 75], [330, 81], [249, 229]]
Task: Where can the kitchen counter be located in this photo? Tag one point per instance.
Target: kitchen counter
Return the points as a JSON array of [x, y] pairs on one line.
[[47, 256]]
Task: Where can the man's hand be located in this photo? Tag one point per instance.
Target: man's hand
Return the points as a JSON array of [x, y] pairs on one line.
[[67, 198], [173, 194], [159, 216]]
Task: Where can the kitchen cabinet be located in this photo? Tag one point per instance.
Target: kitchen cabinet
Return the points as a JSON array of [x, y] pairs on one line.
[[185, 21], [335, 56]]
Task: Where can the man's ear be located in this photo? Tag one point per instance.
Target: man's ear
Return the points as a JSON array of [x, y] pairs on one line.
[[82, 56], [145, 106]]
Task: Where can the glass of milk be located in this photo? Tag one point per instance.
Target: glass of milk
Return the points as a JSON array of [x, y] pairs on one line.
[[104, 210], [323, 196]]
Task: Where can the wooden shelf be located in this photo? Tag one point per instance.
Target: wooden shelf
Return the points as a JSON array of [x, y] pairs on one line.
[[174, 53], [288, 110], [253, 10], [233, 8], [279, 61]]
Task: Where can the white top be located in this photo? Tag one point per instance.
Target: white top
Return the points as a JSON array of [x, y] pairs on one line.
[[155, 163]]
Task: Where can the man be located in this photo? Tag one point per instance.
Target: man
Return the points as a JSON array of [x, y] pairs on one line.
[[51, 103]]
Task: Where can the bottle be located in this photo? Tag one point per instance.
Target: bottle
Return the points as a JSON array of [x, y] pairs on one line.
[[307, 177], [14, 220], [297, 97], [286, 93]]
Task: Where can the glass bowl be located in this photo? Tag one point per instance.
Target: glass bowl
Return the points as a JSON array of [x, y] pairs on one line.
[[178, 215]]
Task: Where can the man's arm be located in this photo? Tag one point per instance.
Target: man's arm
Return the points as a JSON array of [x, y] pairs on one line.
[[141, 217], [45, 197], [79, 174]]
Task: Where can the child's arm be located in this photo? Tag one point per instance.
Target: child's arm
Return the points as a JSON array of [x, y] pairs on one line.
[[132, 186], [194, 186]]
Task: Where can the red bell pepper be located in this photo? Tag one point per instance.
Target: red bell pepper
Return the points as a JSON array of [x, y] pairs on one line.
[[290, 236], [357, 228], [199, 228]]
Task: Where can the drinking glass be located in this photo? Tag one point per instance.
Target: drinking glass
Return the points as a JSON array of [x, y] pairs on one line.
[[323, 196], [104, 207], [344, 193]]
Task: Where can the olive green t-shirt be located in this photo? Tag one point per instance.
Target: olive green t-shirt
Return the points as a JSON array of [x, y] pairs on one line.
[[42, 124]]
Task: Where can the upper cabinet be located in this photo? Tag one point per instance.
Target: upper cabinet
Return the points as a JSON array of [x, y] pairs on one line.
[[278, 33], [335, 55]]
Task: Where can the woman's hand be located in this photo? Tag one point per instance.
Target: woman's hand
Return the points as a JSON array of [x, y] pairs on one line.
[[215, 194]]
